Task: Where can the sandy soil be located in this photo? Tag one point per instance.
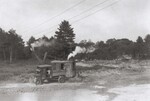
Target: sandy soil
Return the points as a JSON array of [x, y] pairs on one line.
[[129, 84]]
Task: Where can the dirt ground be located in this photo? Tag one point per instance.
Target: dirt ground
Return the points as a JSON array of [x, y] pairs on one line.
[[97, 81]]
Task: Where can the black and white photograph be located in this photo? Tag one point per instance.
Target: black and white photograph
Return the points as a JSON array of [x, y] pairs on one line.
[[74, 50]]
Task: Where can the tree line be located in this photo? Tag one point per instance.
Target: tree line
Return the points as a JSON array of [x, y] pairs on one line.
[[12, 46], [115, 48]]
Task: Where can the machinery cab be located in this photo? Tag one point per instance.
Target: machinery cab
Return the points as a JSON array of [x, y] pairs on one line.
[[58, 70], [66, 68]]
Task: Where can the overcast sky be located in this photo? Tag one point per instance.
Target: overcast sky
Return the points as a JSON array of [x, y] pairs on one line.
[[124, 19]]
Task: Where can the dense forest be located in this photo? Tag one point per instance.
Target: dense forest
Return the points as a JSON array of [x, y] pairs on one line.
[[59, 46]]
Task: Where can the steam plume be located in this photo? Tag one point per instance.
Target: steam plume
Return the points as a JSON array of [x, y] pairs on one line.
[[90, 49], [41, 42], [76, 51], [80, 50]]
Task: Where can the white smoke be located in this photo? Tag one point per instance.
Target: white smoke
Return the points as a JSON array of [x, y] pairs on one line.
[[76, 51], [90, 49], [80, 50], [41, 42]]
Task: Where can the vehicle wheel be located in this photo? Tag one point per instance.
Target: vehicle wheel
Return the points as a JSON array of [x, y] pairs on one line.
[[38, 82], [61, 79]]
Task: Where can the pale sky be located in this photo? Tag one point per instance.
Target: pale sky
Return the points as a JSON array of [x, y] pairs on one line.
[[125, 19]]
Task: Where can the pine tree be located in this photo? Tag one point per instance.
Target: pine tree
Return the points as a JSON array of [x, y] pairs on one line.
[[147, 45], [65, 37], [15, 44], [139, 48], [30, 41]]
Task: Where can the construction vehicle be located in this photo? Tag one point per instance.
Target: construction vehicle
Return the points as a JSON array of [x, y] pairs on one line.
[[57, 70]]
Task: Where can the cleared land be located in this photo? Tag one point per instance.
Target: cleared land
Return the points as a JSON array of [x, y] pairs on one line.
[[97, 81]]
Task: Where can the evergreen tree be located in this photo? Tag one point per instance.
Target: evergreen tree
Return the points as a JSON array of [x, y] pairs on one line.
[[147, 45], [27, 49], [30, 41], [16, 45], [65, 39], [3, 47], [139, 48]]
